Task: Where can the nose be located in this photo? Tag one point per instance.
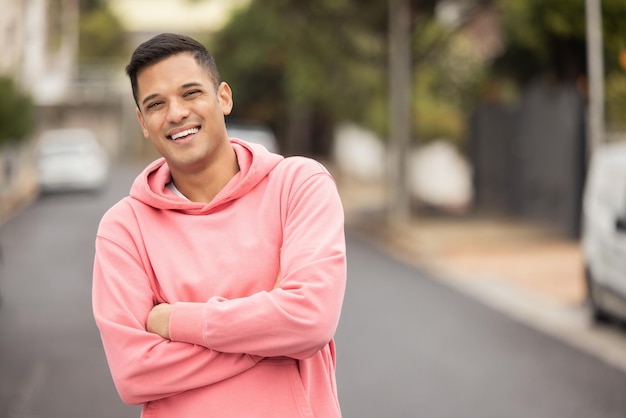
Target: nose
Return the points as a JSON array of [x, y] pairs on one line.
[[177, 111]]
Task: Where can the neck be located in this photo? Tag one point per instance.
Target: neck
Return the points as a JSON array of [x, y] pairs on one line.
[[203, 185]]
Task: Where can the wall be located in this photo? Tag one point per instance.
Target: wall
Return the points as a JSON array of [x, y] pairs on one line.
[[530, 161]]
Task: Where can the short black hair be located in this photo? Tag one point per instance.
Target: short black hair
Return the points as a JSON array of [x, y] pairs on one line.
[[163, 46]]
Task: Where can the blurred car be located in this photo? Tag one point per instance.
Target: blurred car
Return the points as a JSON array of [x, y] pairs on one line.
[[253, 132], [604, 232], [71, 160]]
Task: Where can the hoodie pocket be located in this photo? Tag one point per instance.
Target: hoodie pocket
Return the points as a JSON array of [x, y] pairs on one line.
[[271, 389], [284, 373]]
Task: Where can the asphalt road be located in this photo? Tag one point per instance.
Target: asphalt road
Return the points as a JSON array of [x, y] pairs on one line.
[[52, 364], [408, 346]]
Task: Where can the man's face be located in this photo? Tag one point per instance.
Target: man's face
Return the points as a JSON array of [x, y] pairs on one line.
[[181, 112]]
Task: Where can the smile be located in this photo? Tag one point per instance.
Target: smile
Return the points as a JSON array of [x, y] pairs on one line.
[[184, 133]]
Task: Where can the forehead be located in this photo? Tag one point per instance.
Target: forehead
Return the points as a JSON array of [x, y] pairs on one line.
[[171, 72]]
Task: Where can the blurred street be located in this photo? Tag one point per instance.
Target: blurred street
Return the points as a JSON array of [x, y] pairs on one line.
[[52, 364], [409, 343], [411, 346]]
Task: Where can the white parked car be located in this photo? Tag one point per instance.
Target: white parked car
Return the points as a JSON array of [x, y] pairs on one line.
[[604, 232], [252, 132], [71, 159]]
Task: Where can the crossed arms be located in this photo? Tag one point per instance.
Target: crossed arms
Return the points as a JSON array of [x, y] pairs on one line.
[[155, 351]]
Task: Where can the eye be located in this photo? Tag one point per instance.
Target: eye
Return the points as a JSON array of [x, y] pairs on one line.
[[153, 105], [191, 93]]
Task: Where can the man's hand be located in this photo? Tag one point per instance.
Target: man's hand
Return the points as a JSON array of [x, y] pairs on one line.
[[159, 320]]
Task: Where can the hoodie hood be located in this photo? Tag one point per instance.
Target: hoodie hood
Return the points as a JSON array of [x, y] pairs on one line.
[[255, 162]]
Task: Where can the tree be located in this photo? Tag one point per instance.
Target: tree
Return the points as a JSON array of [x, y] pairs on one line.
[[302, 66], [102, 37], [298, 66], [548, 37]]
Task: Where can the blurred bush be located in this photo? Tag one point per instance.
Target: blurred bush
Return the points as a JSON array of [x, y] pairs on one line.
[[616, 100], [17, 113], [549, 37], [102, 36]]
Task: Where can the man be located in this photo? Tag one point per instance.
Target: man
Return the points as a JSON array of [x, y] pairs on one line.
[[218, 283]]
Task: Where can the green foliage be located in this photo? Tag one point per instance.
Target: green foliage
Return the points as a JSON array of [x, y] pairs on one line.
[[533, 26], [330, 56], [300, 50], [318, 55], [448, 73], [539, 34], [251, 56], [101, 35], [439, 119], [17, 113], [550, 36], [87, 6], [616, 100], [614, 33]]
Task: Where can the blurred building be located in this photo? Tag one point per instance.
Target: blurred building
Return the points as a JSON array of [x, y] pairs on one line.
[[39, 40], [39, 43]]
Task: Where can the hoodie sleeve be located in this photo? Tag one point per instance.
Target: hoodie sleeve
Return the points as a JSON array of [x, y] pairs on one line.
[[301, 315], [144, 366]]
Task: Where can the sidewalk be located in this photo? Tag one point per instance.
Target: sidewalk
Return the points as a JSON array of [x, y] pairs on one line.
[[473, 250]]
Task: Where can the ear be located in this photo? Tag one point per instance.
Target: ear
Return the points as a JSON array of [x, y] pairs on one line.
[[225, 98], [142, 123]]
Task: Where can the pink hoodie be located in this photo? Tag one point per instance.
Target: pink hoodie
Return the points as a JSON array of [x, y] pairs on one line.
[[256, 277]]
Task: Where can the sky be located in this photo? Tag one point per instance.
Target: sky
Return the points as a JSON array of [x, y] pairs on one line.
[[175, 15]]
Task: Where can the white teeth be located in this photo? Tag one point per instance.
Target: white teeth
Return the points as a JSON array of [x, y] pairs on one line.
[[185, 133]]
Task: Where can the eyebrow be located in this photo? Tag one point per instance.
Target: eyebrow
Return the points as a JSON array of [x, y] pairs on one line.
[[148, 98], [184, 86]]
